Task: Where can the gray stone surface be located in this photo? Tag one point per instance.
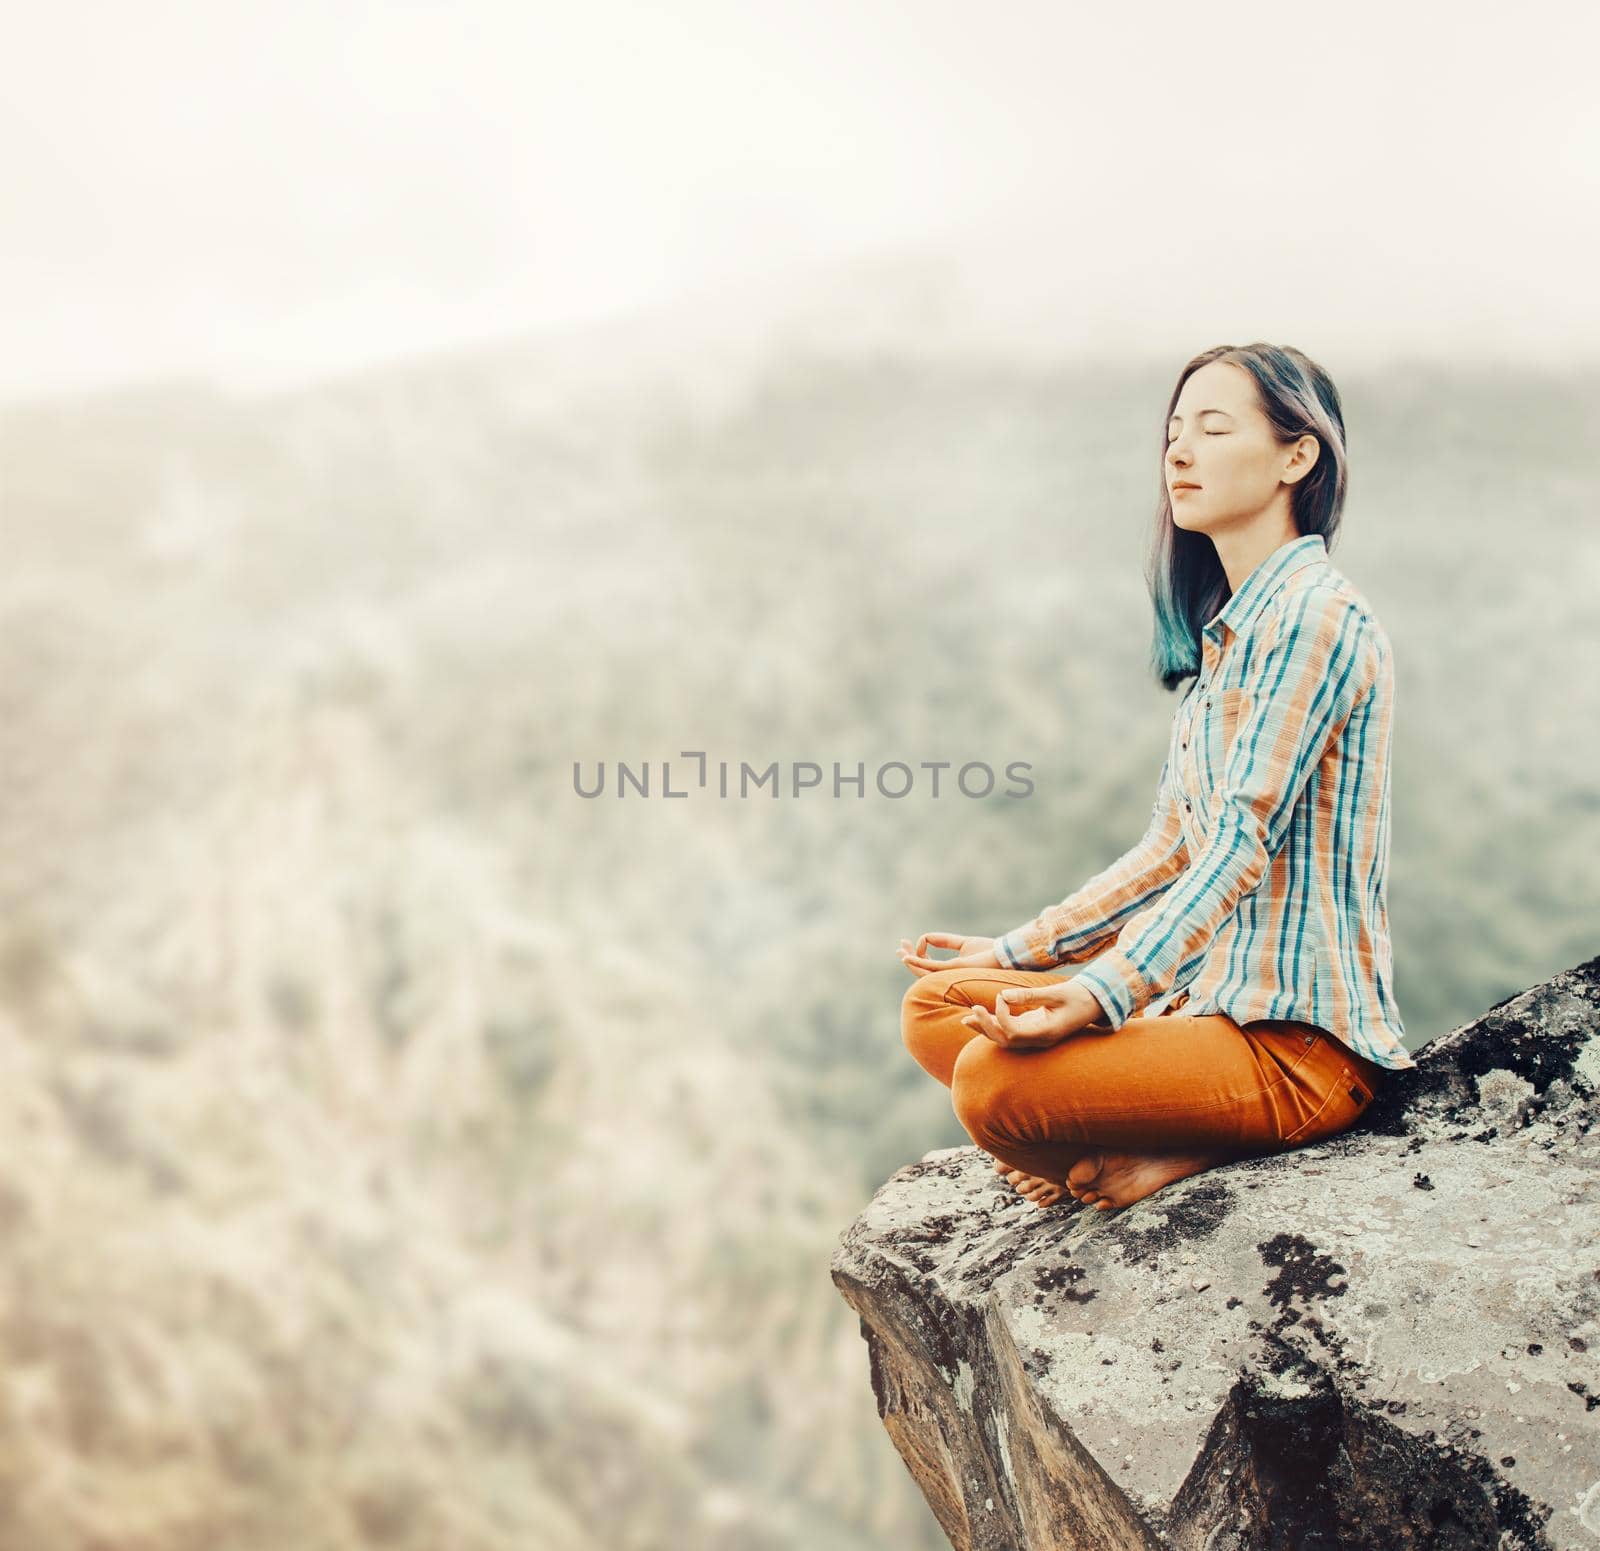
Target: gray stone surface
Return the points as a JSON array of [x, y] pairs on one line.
[[1390, 1339]]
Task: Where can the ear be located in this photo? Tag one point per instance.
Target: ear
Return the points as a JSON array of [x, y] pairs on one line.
[[1302, 459]]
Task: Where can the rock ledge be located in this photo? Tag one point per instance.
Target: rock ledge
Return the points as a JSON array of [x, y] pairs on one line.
[[1388, 1340]]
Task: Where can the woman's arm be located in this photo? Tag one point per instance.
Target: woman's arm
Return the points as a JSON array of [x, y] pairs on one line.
[[1319, 659], [1086, 920]]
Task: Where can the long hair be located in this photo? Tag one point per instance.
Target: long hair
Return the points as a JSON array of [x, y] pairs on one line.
[[1187, 582]]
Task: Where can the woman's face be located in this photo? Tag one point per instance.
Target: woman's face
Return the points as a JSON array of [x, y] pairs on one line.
[[1220, 440]]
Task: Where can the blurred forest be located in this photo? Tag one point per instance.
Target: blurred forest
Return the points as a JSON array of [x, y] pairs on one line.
[[407, 1152]]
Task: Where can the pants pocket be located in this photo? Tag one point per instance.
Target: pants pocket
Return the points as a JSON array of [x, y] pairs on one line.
[[1345, 1096], [1286, 1054]]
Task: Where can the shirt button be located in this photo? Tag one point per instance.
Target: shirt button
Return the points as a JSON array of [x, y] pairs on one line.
[[1184, 744], [1187, 808]]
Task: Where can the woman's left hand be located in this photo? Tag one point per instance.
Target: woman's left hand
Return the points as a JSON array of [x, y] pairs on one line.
[[1054, 1012], [971, 952]]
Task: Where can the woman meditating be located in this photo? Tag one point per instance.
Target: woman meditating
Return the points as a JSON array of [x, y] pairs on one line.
[[1256, 900]]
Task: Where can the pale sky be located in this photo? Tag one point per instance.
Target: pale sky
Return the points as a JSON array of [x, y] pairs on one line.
[[264, 191]]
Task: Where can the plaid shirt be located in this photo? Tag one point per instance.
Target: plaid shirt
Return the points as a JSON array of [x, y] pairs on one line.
[[1259, 888]]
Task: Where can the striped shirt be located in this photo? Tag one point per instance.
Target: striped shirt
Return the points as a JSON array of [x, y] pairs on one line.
[[1259, 889]]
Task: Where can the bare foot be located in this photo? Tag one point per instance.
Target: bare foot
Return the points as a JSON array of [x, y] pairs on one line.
[[1042, 1192], [1109, 1179]]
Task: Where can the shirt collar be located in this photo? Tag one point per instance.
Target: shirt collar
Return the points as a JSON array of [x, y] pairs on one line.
[[1258, 588]]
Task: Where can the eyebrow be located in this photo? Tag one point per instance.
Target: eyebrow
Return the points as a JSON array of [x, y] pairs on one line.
[[1171, 418]]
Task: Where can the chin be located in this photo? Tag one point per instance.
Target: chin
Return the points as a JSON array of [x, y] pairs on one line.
[[1191, 521]]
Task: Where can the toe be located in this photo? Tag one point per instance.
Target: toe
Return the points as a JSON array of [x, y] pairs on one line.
[[1085, 1169]]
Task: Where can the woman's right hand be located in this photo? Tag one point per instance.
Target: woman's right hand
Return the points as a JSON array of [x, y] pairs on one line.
[[971, 952]]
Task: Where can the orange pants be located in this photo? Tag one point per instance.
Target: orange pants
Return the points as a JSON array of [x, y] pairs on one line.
[[1168, 1084]]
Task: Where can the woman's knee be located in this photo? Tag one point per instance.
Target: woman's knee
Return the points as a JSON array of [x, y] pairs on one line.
[[933, 986], [931, 1028], [925, 1007]]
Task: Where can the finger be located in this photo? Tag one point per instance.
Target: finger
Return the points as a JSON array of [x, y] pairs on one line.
[[1018, 998], [1036, 1020], [1014, 1020], [1051, 995], [1010, 1022]]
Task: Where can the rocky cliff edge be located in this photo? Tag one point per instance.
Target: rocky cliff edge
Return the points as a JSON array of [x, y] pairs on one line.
[[1390, 1339]]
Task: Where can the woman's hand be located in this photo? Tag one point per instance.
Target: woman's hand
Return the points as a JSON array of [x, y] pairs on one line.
[[1055, 1011], [971, 952]]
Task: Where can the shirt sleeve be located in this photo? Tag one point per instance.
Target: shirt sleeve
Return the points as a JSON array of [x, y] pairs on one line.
[[1318, 659], [1085, 921]]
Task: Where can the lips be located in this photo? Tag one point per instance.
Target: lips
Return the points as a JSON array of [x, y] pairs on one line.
[[1184, 484]]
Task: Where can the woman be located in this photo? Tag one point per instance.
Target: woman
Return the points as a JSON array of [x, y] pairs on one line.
[[1256, 900]]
